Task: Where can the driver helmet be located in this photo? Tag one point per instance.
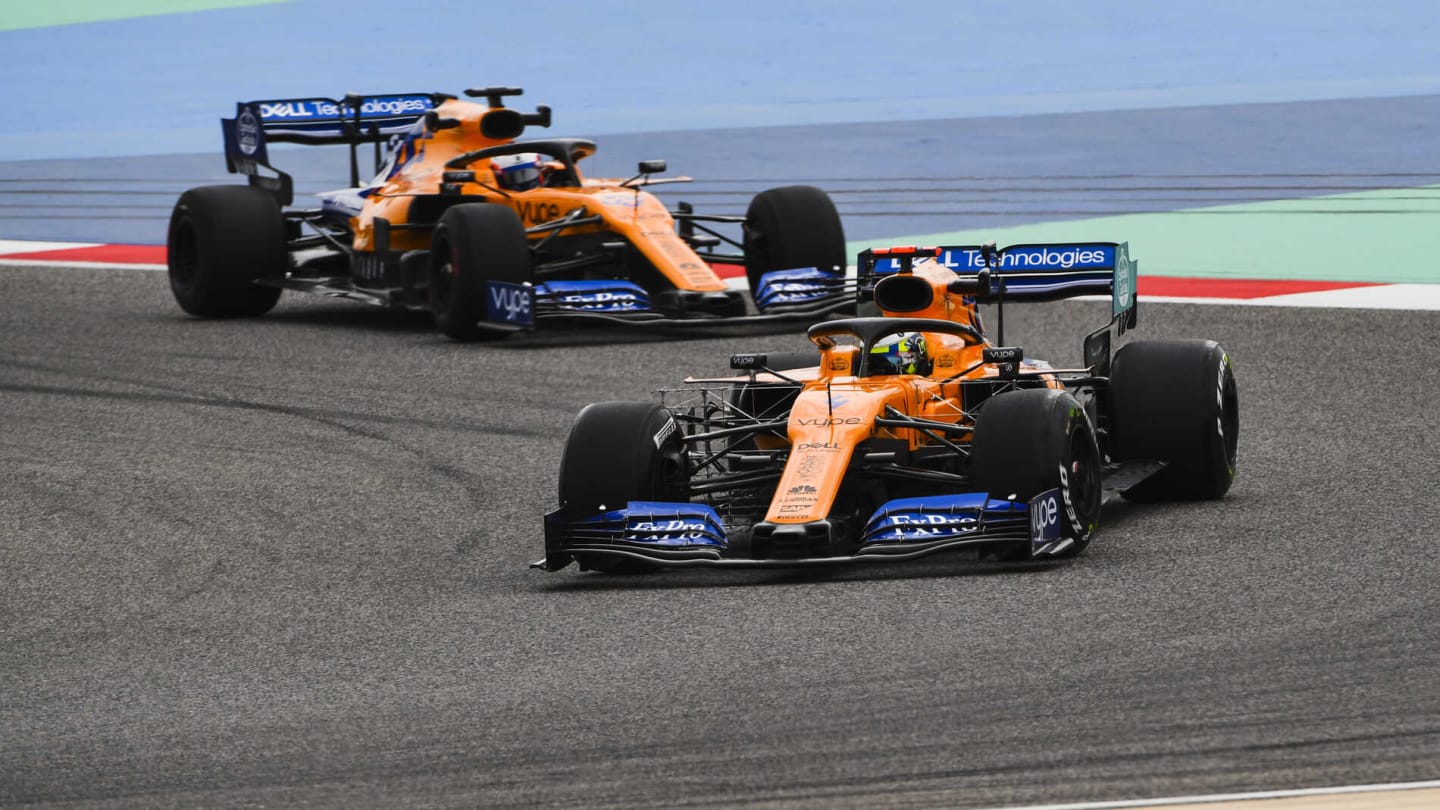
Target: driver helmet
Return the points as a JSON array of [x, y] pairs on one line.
[[518, 172], [900, 354]]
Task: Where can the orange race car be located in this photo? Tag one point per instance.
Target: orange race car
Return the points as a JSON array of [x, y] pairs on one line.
[[489, 233], [906, 434]]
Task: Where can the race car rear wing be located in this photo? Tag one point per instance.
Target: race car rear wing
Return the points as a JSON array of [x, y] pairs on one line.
[[353, 119], [350, 121], [1027, 272]]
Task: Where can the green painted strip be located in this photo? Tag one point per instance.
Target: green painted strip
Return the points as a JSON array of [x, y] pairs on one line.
[[1390, 236], [43, 15]]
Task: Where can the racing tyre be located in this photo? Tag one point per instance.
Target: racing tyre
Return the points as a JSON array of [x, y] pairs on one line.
[[221, 240], [1028, 442], [619, 452], [791, 226], [1176, 401], [475, 243]]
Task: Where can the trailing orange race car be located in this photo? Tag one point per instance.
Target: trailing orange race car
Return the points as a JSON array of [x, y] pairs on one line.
[[907, 434], [491, 234]]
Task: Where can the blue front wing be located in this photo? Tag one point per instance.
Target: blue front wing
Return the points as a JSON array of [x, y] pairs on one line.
[[781, 294], [691, 534]]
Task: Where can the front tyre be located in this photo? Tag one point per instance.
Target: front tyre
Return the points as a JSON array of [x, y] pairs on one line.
[[221, 240], [1031, 441], [789, 227], [474, 243], [619, 452], [1176, 401]]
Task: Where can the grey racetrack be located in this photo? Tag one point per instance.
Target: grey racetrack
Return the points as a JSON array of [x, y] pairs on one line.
[[282, 562]]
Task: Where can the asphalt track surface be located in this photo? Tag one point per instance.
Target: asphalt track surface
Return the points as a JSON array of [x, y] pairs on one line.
[[282, 562]]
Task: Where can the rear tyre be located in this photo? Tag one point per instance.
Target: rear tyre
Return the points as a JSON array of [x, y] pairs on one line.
[[619, 452], [1028, 442], [1176, 401], [220, 241], [791, 226], [474, 243]]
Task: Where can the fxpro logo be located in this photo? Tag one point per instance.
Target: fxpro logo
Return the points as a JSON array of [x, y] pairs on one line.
[[792, 297], [607, 300], [693, 529], [927, 519]]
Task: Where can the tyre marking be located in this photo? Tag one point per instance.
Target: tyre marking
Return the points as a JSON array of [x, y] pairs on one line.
[[664, 432]]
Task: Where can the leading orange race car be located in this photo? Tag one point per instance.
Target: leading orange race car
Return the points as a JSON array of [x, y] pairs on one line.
[[490, 233], [906, 434]]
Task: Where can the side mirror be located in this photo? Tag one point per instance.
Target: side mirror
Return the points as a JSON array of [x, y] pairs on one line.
[[435, 123], [978, 284], [651, 166], [748, 362], [1002, 354], [1006, 359]]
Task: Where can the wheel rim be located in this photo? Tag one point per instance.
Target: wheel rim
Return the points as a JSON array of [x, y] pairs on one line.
[[442, 286], [1084, 473]]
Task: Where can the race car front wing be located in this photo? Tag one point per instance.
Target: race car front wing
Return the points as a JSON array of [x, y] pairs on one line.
[[667, 534], [796, 294]]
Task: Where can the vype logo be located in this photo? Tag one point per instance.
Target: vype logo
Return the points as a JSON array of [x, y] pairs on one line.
[[509, 303], [1045, 514]]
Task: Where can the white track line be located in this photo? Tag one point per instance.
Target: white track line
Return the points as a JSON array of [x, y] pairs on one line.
[[20, 246], [67, 264], [1231, 797], [1420, 297]]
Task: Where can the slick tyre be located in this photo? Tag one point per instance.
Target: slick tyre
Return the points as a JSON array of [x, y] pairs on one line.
[[473, 244], [221, 240], [1028, 442], [791, 226], [618, 452], [1176, 401]]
